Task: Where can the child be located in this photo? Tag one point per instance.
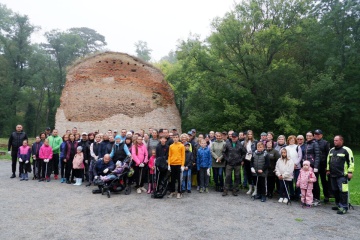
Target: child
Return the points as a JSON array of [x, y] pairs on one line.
[[305, 182], [187, 170], [45, 154], [259, 166], [176, 163], [284, 170], [62, 157], [24, 153], [78, 166], [35, 148], [203, 163], [120, 166], [151, 165]]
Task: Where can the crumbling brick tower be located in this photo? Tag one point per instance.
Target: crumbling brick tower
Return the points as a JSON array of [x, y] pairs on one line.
[[115, 90]]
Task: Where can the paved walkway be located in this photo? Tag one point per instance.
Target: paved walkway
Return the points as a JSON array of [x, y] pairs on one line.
[[33, 210]]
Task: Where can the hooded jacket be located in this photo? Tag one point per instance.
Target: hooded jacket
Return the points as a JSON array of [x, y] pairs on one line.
[[142, 154], [306, 179], [286, 170]]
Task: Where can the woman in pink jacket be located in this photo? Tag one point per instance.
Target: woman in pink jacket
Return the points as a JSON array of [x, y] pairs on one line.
[[139, 154], [45, 155]]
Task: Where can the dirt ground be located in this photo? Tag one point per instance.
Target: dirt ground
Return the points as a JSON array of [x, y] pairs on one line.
[[54, 210]]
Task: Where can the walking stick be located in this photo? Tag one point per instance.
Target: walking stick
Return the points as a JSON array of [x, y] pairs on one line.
[[289, 200]]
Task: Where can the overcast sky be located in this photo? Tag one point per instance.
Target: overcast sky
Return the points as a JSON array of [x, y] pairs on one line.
[[160, 23]]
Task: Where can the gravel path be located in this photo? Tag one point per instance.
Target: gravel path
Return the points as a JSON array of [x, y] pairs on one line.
[[33, 210]]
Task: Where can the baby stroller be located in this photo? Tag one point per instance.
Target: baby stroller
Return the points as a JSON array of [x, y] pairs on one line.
[[117, 184], [161, 180]]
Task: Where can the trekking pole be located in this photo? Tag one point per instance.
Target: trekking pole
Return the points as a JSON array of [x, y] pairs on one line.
[[254, 196], [289, 200], [348, 198]]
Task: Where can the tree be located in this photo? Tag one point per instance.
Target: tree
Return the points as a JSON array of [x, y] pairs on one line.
[[142, 51]]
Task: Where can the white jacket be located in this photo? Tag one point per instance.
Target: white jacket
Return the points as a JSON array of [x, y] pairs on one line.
[[294, 155], [286, 170]]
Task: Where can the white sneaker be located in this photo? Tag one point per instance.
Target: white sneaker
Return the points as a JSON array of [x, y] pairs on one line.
[[281, 200], [143, 189], [198, 188], [250, 190], [285, 200], [171, 195], [178, 196], [138, 190]]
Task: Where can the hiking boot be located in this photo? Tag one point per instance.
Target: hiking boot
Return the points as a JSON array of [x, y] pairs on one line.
[[206, 190], [263, 198], [26, 177], [198, 188], [335, 208], [201, 190], [88, 185], [225, 192], [234, 193], [13, 175], [189, 191], [341, 211]]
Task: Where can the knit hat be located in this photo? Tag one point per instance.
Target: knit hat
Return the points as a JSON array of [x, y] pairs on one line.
[[117, 137], [306, 162], [79, 148]]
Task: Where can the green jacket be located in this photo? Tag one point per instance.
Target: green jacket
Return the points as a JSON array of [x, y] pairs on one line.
[[216, 150], [55, 143]]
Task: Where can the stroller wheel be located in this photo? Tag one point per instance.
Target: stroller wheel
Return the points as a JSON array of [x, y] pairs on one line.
[[127, 190], [108, 193]]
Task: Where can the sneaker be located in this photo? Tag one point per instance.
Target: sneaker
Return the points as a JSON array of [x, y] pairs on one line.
[[171, 195], [335, 208], [225, 192], [48, 179], [281, 200], [13, 175], [286, 200], [341, 211], [234, 193], [308, 205], [138, 190], [201, 190], [316, 202], [143, 189], [198, 188], [206, 190], [40, 180], [188, 191], [178, 196], [56, 177], [263, 198]]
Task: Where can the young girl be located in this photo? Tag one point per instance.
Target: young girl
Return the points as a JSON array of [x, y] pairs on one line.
[[45, 155], [306, 181], [35, 149], [78, 166], [186, 182], [139, 154], [95, 150], [284, 170], [203, 163], [151, 165], [62, 157], [259, 166], [24, 153]]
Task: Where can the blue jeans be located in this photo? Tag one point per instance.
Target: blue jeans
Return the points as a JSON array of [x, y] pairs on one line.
[[186, 177]]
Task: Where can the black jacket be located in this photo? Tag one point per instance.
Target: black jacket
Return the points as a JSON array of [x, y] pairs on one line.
[[324, 151], [16, 140], [312, 153], [189, 159], [233, 155]]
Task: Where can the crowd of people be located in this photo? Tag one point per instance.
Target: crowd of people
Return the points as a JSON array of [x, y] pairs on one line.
[[290, 168]]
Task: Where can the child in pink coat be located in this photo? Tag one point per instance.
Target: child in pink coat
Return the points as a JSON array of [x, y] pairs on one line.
[[306, 181], [139, 155], [78, 166], [151, 165], [45, 154]]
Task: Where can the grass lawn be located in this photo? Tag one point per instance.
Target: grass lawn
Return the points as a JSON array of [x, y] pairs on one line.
[[354, 184]]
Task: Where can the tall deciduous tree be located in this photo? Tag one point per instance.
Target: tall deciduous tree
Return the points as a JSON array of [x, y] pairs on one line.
[[143, 51]]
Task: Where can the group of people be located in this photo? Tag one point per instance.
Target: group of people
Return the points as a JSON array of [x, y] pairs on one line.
[[291, 167]]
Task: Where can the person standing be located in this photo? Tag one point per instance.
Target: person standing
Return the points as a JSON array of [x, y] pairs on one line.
[[233, 154], [218, 163], [55, 142], [176, 162], [324, 147], [15, 141], [340, 167]]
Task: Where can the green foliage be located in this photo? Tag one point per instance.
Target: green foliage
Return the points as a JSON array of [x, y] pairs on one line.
[[143, 51]]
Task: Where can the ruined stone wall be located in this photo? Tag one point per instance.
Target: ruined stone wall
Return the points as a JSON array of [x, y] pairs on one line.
[[113, 91]]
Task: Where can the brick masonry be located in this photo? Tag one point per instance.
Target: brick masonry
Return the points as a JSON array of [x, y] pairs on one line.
[[115, 90]]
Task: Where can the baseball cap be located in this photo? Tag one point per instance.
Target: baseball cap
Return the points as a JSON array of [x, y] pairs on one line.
[[84, 133], [318, 131], [187, 143], [234, 134]]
